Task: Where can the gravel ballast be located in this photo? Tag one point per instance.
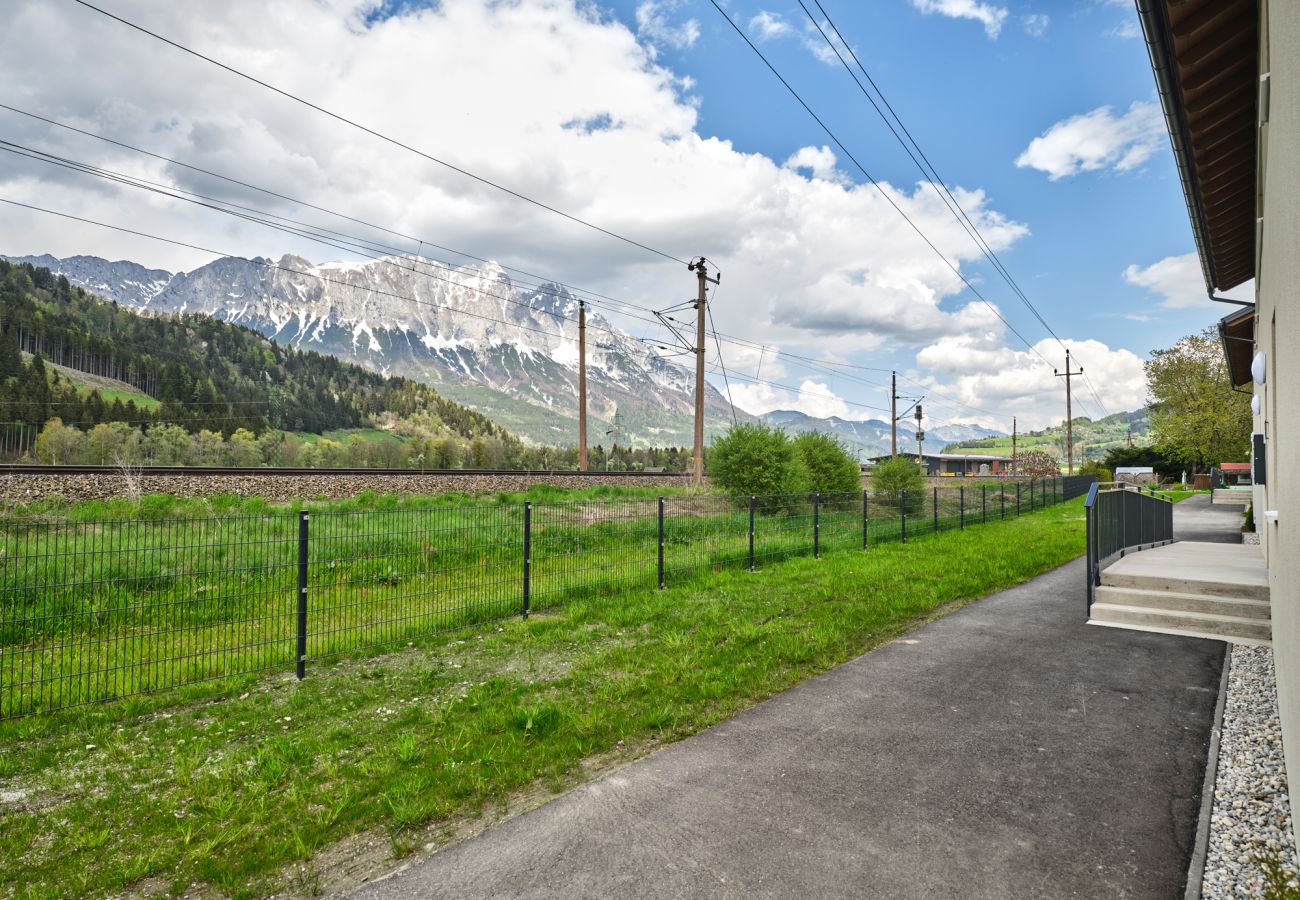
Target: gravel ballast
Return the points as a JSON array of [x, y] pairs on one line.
[[1252, 809]]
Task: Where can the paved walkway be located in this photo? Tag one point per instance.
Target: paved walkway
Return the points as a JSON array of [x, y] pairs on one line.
[[1197, 519], [1007, 750]]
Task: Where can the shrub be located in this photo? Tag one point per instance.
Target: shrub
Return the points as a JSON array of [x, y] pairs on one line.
[[1037, 464], [891, 477], [757, 459], [832, 469], [1093, 467]]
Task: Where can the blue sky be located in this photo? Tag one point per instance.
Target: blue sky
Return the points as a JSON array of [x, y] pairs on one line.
[[974, 104], [1041, 116]]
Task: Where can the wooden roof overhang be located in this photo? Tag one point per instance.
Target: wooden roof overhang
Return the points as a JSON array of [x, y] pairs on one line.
[[1237, 333], [1205, 54]]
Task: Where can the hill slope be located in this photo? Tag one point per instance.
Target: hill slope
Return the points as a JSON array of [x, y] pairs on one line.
[[1092, 439], [194, 371]]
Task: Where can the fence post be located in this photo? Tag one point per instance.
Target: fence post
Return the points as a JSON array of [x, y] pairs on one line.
[[1017, 498], [984, 504], [935, 507], [902, 514], [817, 525], [528, 553], [300, 668], [864, 519], [961, 501], [751, 537], [661, 539]]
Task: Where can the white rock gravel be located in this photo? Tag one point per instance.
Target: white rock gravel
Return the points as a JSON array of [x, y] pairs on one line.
[[1252, 810]]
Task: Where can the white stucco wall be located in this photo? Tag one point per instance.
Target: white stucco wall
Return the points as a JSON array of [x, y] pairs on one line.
[[1278, 335]]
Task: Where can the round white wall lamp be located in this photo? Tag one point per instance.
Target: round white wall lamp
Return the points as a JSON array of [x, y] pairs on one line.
[[1259, 368], [1254, 404]]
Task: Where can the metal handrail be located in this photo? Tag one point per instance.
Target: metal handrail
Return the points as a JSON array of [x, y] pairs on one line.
[[1120, 519]]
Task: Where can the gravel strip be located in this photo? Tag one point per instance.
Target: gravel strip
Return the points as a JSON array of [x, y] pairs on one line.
[[1252, 810]]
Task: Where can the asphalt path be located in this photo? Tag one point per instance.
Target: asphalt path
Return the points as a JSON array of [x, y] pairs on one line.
[[1006, 750]]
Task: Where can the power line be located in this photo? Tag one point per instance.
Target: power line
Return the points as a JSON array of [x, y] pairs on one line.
[[299, 232], [383, 137], [300, 202], [815, 364], [358, 248], [937, 183], [927, 169], [883, 193]]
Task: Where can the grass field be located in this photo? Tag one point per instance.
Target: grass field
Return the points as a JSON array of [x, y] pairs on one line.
[[99, 609], [256, 784]]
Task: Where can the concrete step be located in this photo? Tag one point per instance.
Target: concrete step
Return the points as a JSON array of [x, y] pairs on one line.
[[1178, 622], [1171, 579], [1240, 607], [1183, 632], [1227, 495]]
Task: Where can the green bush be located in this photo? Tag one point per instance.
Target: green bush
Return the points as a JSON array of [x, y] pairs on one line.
[[892, 477], [756, 459], [832, 469], [1093, 467]]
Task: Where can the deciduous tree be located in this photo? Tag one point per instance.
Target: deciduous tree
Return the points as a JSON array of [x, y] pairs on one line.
[[1196, 417]]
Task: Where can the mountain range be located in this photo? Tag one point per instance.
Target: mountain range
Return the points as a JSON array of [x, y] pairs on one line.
[[872, 436], [507, 350]]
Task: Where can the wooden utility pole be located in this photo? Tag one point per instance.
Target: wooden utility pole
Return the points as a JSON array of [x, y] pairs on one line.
[[1069, 413], [582, 386], [1014, 470], [893, 413], [701, 271]]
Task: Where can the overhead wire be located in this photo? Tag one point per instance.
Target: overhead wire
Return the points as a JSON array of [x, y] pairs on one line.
[[874, 183], [936, 182], [377, 134], [365, 247], [307, 204]]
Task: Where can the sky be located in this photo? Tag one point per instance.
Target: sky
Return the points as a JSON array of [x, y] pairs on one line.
[[654, 119]]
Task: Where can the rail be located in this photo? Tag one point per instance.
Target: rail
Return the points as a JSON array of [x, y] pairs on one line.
[[1121, 518], [202, 471]]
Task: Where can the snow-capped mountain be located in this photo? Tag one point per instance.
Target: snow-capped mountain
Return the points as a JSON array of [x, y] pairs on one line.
[[507, 350]]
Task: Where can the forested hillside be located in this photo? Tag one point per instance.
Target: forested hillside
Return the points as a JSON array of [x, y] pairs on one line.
[[187, 372]]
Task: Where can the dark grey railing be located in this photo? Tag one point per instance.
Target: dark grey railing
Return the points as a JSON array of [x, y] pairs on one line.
[[1121, 518]]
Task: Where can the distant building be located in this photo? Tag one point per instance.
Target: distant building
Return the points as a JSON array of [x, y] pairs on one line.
[[956, 464], [1235, 474], [1136, 474]]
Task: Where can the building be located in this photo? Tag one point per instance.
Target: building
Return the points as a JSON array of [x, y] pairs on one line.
[[1235, 474], [1136, 474], [957, 464], [1228, 75]]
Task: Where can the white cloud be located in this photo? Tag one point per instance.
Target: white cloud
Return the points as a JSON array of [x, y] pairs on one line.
[[1126, 30], [981, 371], [582, 117], [768, 25], [1097, 140], [989, 15], [820, 161], [1036, 24], [813, 398], [1179, 282], [654, 21]]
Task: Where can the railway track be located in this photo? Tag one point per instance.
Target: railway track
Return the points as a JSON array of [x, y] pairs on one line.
[[266, 471]]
